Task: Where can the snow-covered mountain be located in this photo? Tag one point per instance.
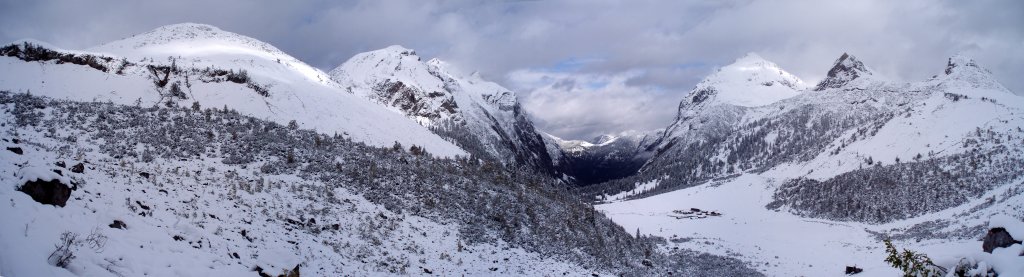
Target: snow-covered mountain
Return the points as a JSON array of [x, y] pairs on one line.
[[750, 81], [847, 124], [195, 64], [480, 116], [606, 157], [854, 160], [849, 120], [718, 102]]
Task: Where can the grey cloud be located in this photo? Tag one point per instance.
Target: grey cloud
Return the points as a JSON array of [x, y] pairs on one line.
[[583, 106]]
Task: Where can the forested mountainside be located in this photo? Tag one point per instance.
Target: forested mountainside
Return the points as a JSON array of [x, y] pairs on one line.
[[605, 158]]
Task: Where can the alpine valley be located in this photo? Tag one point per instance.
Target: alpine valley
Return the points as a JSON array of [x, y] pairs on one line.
[[193, 151]]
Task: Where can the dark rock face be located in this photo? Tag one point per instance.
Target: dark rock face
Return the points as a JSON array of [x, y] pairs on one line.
[[996, 238], [118, 225], [843, 71], [51, 192], [850, 270], [287, 273], [413, 101], [78, 168], [16, 150]]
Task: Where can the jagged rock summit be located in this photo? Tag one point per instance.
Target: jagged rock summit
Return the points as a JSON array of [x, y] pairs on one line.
[[846, 69]]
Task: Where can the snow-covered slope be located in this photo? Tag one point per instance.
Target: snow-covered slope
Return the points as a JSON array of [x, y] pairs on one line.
[[214, 68], [782, 244], [606, 157], [173, 192], [480, 116]]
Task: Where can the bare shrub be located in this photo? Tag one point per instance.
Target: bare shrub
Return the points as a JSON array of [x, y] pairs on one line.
[[70, 242]]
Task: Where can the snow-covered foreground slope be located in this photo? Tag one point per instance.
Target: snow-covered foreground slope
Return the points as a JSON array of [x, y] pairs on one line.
[[180, 225], [202, 61], [205, 216], [181, 191], [783, 244]]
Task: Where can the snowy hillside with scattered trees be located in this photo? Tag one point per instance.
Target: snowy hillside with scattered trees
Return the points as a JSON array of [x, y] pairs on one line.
[[194, 64], [235, 194]]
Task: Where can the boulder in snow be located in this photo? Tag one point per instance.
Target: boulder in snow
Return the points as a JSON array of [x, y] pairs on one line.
[[997, 238], [16, 150], [51, 192], [78, 168], [118, 224]]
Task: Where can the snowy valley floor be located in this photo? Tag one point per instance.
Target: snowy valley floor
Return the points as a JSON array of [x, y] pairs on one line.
[[778, 243]]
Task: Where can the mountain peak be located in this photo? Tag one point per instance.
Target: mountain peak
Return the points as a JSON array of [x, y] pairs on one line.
[[190, 26], [847, 68], [394, 65], [750, 58], [398, 49], [749, 81], [187, 39], [604, 139], [962, 70], [961, 62]]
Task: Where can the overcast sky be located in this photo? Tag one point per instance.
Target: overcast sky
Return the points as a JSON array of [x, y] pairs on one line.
[[581, 68]]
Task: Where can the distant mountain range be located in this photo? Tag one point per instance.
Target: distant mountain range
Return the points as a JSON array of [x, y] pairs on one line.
[[943, 140]]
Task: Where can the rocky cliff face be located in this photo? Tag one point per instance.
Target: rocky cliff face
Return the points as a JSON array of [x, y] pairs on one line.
[[480, 116]]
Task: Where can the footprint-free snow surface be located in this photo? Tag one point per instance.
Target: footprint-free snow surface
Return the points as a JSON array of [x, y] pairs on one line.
[[782, 244]]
